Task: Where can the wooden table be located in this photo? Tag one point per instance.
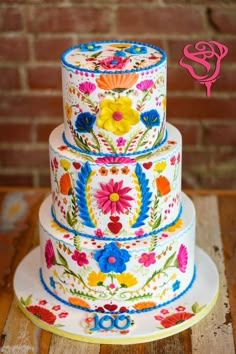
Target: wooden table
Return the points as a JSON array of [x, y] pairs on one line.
[[216, 234]]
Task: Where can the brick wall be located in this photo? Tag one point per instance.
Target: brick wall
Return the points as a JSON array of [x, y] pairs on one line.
[[34, 33]]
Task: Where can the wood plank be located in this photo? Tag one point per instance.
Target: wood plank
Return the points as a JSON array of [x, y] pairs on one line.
[[19, 333], [213, 334], [61, 345], [227, 209], [122, 349]]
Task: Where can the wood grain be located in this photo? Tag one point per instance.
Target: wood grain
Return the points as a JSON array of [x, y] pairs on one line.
[[213, 334], [227, 206]]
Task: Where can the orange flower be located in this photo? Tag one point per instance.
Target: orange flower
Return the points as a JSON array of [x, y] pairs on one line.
[[114, 170], [117, 82], [144, 305], [125, 170], [163, 185], [103, 171], [78, 301], [65, 184]]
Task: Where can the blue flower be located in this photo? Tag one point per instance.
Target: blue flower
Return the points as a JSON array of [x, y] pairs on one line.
[[89, 47], [120, 53], [136, 49], [52, 283], [84, 122], [112, 259], [176, 285], [150, 118]]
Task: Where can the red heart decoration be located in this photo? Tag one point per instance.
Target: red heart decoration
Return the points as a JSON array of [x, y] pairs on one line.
[[114, 227], [114, 218], [76, 165], [101, 309], [110, 307], [123, 309], [147, 165]]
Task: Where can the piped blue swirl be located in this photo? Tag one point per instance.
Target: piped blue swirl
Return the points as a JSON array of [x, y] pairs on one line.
[[146, 196], [80, 188]]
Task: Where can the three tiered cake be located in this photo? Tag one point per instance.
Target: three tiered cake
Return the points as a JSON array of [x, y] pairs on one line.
[[117, 236]]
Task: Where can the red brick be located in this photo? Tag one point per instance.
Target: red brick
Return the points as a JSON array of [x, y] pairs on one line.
[[226, 80], [44, 77], [190, 131], [178, 80], [224, 20], [14, 48], [44, 130], [9, 78], [15, 132], [10, 19], [201, 107], [30, 106], [16, 179], [220, 134], [175, 52], [161, 20], [44, 180], [68, 19], [32, 158], [49, 48]]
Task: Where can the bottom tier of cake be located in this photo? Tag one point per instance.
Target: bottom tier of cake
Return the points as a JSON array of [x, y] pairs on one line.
[[118, 277]]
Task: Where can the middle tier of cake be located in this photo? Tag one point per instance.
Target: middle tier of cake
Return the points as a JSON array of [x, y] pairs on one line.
[[116, 198]]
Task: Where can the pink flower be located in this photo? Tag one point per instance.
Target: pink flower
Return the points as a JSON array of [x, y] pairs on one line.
[[99, 232], [180, 308], [139, 232], [56, 307], [114, 159], [49, 254], [80, 258], [87, 87], [43, 302], [113, 198], [172, 160], [182, 258], [63, 314], [120, 141], [158, 317], [114, 62], [164, 311], [147, 259], [112, 286], [144, 85]]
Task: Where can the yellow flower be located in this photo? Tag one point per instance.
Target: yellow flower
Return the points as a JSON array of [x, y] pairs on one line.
[[163, 103], [126, 279], [117, 115], [55, 273], [68, 111], [160, 166], [179, 223], [173, 276], [95, 279], [65, 164]]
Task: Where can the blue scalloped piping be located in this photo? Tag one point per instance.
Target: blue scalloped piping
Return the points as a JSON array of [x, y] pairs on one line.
[[117, 312], [163, 59], [104, 238], [114, 155]]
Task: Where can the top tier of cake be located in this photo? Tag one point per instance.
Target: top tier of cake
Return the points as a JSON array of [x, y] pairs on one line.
[[114, 97]]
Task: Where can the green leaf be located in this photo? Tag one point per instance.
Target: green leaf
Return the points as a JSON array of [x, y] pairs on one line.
[[62, 259], [77, 242], [156, 223], [27, 301], [197, 308], [70, 220], [169, 261]]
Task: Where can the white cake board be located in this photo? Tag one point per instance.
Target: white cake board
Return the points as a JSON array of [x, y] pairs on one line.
[[70, 322]]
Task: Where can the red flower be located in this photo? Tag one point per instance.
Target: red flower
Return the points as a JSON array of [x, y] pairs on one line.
[[80, 258], [175, 319], [49, 254], [63, 314], [114, 62], [42, 313]]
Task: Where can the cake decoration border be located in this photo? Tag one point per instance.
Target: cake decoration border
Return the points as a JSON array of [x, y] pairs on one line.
[[150, 67], [136, 153], [78, 307], [104, 238]]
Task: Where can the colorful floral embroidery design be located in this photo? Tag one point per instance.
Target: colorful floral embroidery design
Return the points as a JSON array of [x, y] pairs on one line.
[[112, 258]]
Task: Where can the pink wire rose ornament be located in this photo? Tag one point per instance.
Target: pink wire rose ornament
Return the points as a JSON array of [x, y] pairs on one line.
[[208, 55]]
